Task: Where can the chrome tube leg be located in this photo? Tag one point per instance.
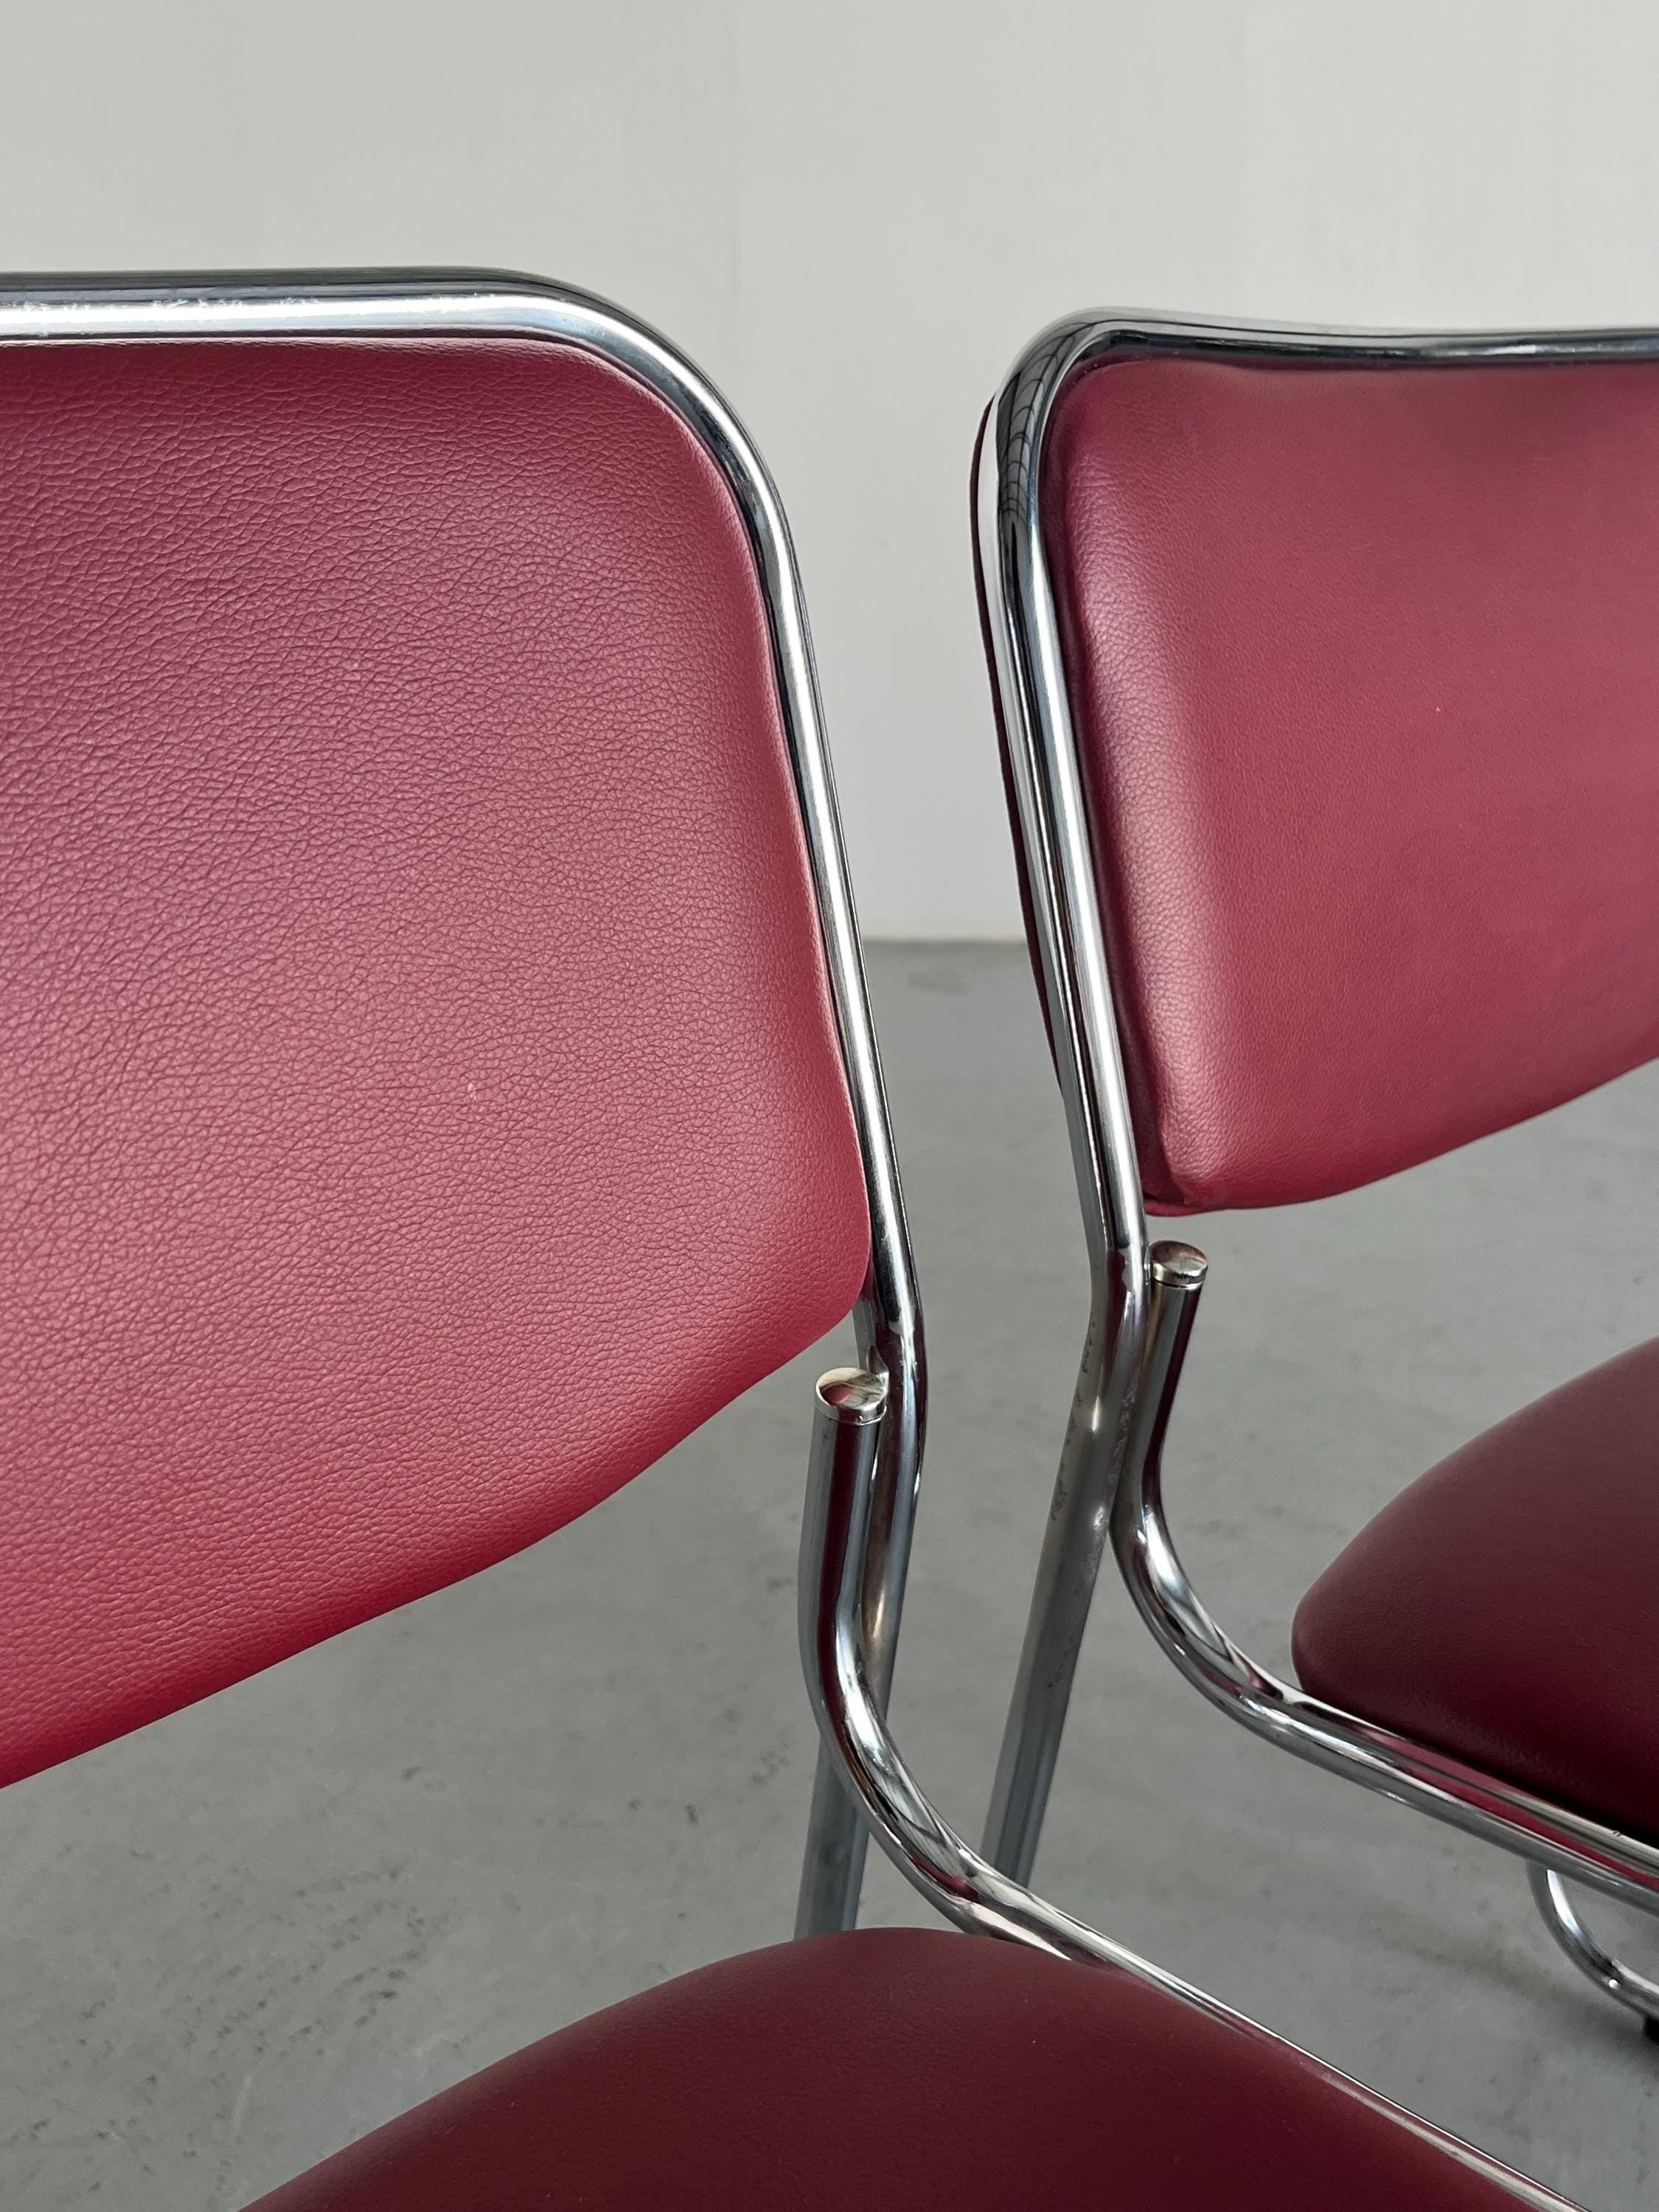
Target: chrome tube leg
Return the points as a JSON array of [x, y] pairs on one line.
[[1621, 1982], [832, 1872], [1104, 1434], [1071, 1547], [837, 1837], [1072, 1544]]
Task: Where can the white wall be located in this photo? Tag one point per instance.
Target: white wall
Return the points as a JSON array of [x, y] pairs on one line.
[[852, 212]]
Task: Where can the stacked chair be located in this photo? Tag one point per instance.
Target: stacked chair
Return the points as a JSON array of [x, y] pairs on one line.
[[1325, 666], [439, 1077]]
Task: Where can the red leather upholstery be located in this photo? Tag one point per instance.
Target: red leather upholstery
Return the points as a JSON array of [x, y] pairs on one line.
[[1502, 1607], [1363, 664], [419, 1097], [895, 2068]]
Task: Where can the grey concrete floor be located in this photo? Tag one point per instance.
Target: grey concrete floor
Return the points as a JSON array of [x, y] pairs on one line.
[[236, 1940]]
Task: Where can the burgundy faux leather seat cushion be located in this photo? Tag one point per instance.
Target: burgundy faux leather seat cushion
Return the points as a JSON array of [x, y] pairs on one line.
[[420, 1098], [1361, 662], [901, 2068], [1506, 1606]]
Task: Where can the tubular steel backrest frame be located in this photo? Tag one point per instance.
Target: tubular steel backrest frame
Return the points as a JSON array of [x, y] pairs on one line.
[[448, 303], [1142, 1297], [867, 1432]]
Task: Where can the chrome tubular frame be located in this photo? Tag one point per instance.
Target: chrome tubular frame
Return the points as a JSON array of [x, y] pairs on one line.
[[1109, 1480], [391, 304], [838, 1560], [1622, 1983], [868, 1422]]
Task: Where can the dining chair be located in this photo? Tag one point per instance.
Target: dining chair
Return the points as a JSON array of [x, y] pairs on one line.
[[1324, 664], [439, 1076]]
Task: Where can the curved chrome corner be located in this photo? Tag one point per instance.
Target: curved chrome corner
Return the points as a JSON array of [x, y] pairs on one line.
[[1110, 1477], [843, 1488], [485, 303], [1396, 1766], [1621, 1982]]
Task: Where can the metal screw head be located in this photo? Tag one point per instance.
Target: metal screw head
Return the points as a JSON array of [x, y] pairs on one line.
[[854, 1394], [1182, 1266]]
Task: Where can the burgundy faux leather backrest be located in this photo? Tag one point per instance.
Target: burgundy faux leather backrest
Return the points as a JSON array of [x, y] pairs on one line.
[[420, 1100], [1364, 664]]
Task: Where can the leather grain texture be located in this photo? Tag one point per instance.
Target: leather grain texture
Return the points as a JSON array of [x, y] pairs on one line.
[[420, 1104], [1502, 1607], [895, 2068], [1363, 664]]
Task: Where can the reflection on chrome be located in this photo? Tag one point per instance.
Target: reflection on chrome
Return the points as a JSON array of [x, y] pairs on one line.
[[472, 303], [836, 1564], [1108, 1482]]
